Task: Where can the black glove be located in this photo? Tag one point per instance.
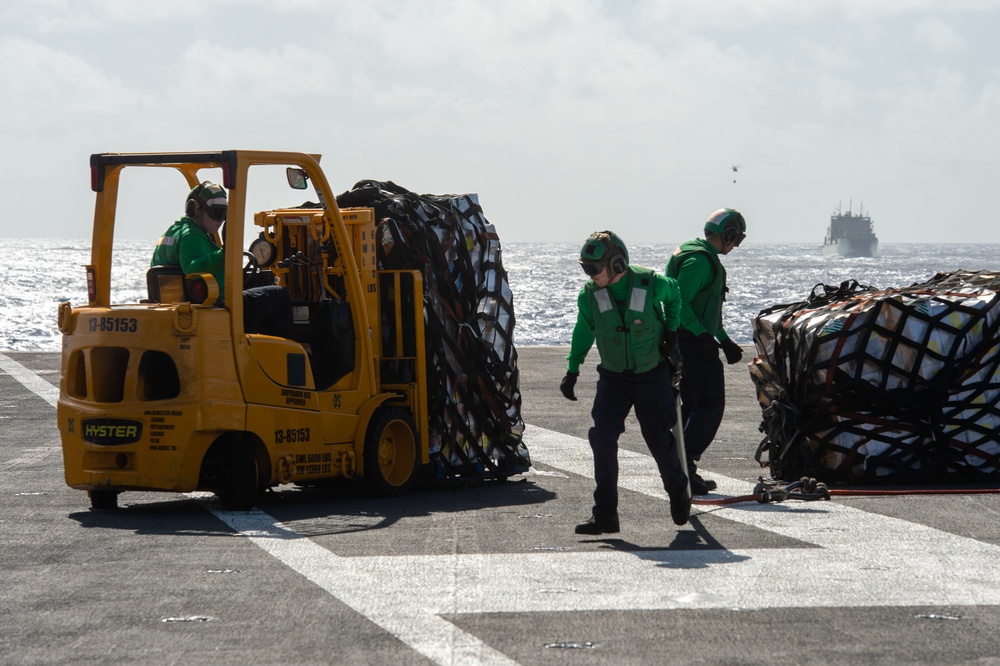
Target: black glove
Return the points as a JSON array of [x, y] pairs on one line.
[[670, 351], [709, 347], [567, 384], [732, 351]]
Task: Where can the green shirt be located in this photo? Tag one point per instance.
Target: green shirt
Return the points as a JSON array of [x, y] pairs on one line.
[[664, 294], [702, 282], [187, 245]]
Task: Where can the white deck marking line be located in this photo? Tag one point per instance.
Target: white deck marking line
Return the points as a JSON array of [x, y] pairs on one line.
[[43, 390], [30, 380], [861, 559], [398, 608], [30, 456]]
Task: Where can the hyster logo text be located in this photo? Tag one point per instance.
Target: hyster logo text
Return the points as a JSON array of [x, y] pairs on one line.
[[109, 432]]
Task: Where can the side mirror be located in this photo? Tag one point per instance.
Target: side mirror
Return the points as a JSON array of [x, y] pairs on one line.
[[297, 178]]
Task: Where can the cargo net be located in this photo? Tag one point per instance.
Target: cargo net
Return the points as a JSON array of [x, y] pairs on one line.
[[474, 397], [900, 386]]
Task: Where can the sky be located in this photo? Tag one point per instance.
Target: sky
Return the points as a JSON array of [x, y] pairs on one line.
[[564, 116]]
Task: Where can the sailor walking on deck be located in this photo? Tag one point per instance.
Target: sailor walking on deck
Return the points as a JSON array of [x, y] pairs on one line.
[[632, 313]]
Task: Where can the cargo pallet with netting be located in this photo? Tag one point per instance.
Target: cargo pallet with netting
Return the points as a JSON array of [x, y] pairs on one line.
[[475, 424], [860, 385]]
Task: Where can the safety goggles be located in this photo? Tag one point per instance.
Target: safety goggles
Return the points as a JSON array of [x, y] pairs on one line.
[[217, 212], [592, 268]]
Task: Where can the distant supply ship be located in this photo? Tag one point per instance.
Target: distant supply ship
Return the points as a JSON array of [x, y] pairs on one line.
[[850, 235]]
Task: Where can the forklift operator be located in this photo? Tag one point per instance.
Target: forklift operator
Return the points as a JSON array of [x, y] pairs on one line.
[[190, 243]]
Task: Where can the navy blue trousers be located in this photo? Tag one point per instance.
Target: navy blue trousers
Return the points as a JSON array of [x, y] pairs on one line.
[[703, 396], [652, 395], [267, 310]]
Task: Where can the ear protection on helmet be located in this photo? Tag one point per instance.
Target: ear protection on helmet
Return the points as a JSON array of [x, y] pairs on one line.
[[206, 196], [732, 233], [604, 248], [617, 262], [728, 224], [195, 201]]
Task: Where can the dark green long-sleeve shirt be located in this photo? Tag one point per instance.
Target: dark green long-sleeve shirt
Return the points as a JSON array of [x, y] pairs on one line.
[[187, 245], [664, 293], [702, 282]]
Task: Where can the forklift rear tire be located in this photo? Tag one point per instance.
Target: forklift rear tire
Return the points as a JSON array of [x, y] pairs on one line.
[[238, 491], [103, 500], [391, 455]]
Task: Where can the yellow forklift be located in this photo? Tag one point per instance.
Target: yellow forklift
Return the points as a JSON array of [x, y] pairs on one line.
[[172, 393]]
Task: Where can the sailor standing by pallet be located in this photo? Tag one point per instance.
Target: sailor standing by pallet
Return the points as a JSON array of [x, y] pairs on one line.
[[702, 281], [632, 312]]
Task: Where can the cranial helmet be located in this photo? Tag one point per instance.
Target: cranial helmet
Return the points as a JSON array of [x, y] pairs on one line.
[[208, 197], [728, 223], [604, 249]]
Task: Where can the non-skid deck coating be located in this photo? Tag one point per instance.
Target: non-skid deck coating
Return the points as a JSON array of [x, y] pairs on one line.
[[490, 573]]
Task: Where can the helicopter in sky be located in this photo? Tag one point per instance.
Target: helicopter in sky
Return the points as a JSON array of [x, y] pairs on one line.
[[735, 168]]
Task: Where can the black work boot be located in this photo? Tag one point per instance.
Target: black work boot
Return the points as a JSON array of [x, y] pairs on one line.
[[595, 525], [680, 505], [700, 486]]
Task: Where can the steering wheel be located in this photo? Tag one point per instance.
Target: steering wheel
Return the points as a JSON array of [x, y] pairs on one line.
[[250, 268]]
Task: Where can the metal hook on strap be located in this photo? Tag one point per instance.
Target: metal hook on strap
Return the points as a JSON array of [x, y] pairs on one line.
[[805, 489]]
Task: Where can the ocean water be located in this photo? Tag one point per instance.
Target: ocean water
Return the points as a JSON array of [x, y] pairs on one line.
[[545, 279]]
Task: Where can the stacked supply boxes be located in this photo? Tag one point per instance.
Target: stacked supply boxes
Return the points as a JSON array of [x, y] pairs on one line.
[[901, 385]]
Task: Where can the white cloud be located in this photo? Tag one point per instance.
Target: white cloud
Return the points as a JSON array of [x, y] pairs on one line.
[[252, 77], [739, 13], [563, 114], [986, 108], [938, 36], [60, 17], [41, 84]]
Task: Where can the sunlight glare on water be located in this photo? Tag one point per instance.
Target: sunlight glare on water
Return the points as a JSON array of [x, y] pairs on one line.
[[545, 279]]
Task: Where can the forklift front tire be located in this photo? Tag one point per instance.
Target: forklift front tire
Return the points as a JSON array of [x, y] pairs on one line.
[[391, 453]]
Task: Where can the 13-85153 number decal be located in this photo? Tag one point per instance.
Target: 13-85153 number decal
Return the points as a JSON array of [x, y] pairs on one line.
[[113, 324], [291, 435]]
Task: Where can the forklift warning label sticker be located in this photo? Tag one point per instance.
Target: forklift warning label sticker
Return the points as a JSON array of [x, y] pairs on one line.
[[313, 463], [295, 397], [160, 427]]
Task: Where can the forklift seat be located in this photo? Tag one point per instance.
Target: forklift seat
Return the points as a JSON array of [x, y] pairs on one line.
[[165, 284]]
